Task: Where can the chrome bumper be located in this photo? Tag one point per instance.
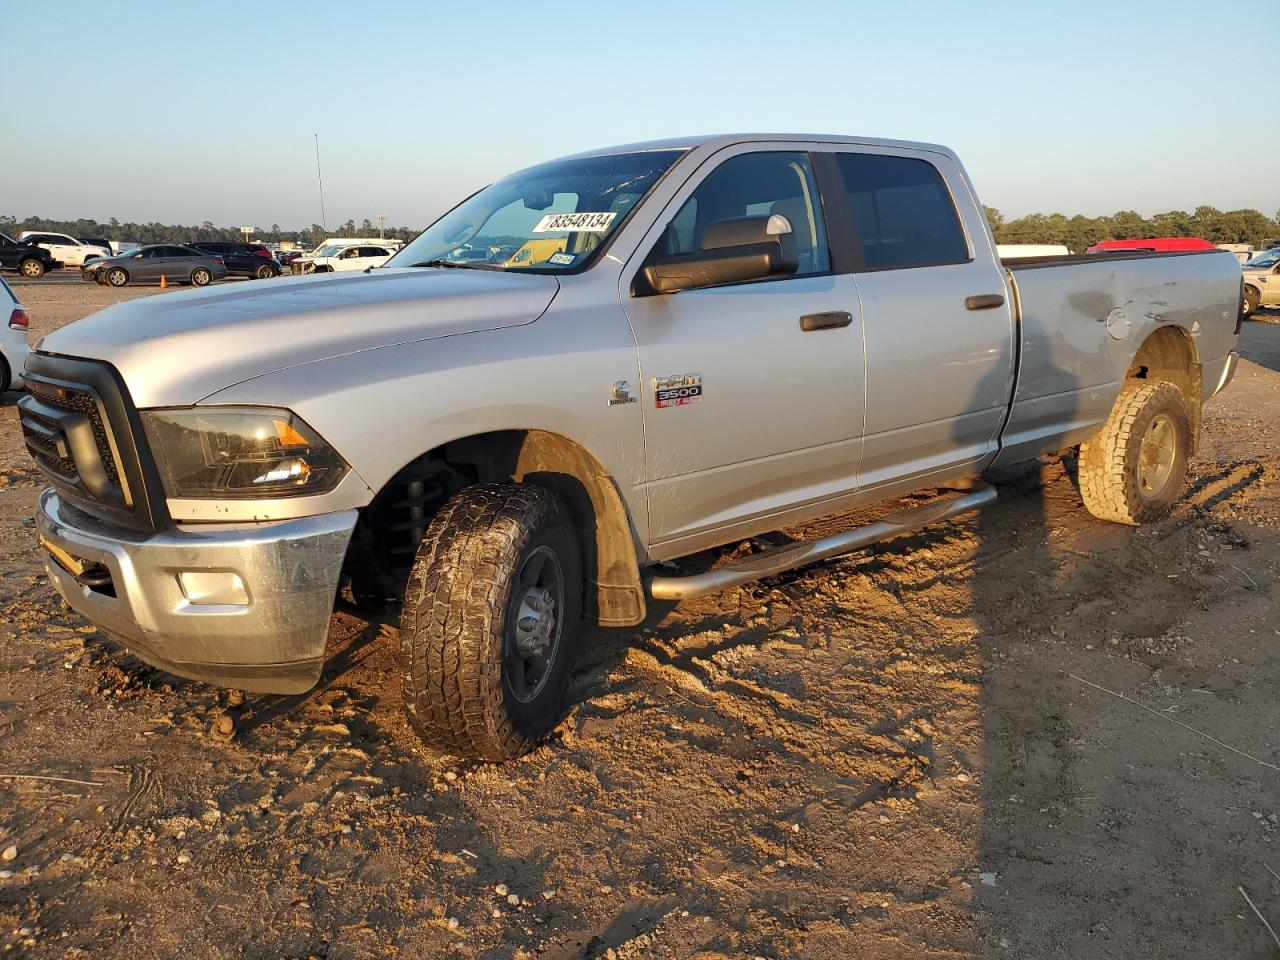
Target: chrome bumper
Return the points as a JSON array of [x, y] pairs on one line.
[[243, 605]]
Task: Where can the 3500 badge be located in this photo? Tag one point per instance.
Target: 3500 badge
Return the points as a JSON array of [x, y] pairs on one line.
[[677, 390]]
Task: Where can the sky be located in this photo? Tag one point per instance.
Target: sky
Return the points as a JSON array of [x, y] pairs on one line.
[[181, 112]]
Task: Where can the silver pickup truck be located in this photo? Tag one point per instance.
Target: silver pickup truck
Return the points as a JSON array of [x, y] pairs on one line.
[[669, 347]]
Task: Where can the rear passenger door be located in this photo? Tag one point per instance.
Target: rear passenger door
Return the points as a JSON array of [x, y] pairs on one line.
[[940, 363]]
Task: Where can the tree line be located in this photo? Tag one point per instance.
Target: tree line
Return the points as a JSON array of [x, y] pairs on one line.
[[153, 232], [1078, 233]]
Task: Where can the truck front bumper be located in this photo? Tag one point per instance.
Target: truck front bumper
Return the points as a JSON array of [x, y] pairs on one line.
[[236, 605]]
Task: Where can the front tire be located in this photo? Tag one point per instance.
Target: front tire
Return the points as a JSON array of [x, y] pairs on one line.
[[31, 268], [489, 620], [117, 277], [1133, 470], [1251, 301]]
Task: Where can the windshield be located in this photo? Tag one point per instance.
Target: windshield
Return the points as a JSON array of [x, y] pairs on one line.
[[1268, 258], [550, 217]]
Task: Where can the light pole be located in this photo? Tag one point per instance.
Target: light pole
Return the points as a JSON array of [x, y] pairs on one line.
[[382, 222]]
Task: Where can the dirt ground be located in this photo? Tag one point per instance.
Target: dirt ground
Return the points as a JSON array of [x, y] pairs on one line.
[[907, 753]]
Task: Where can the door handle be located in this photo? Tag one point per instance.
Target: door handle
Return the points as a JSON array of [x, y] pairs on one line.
[[825, 321], [984, 301]]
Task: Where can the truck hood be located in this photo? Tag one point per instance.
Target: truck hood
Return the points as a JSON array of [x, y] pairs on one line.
[[178, 348]]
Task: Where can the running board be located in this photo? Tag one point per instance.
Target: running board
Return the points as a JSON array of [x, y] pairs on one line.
[[781, 559]]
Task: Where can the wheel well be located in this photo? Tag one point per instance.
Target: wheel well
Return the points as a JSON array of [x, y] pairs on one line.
[[1169, 354], [391, 526]]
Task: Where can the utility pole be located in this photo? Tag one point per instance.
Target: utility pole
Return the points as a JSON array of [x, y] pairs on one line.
[[320, 180], [382, 222]]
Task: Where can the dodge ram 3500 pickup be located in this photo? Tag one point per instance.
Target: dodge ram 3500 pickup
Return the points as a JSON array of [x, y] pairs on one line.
[[728, 335]]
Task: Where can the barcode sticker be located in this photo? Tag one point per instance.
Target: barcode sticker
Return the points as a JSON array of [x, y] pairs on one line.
[[578, 222]]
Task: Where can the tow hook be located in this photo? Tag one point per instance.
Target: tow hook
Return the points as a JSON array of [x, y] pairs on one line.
[[224, 727]]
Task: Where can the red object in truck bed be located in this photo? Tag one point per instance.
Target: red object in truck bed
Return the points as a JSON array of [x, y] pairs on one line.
[[1153, 244]]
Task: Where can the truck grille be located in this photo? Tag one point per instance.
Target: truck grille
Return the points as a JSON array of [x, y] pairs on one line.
[[40, 428], [80, 427]]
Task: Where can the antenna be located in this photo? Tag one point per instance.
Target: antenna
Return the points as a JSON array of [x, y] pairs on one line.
[[323, 222]]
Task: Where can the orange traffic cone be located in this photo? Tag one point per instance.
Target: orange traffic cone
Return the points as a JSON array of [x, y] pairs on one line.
[[162, 283]]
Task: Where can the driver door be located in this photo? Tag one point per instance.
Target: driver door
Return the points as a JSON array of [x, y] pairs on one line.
[[775, 421]]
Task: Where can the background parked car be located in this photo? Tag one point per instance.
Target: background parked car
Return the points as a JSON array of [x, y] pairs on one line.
[[1262, 281], [28, 259], [98, 242], [341, 258], [67, 249], [240, 260], [1152, 245], [13, 338], [176, 264]]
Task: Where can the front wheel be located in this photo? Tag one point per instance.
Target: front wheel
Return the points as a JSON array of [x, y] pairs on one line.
[[489, 621], [200, 277], [1251, 301], [1132, 471], [117, 277], [31, 268]]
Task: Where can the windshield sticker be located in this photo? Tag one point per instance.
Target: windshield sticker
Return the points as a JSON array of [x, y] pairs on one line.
[[579, 222], [562, 259]]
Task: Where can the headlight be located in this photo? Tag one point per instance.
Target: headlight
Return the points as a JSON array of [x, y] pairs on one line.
[[209, 453]]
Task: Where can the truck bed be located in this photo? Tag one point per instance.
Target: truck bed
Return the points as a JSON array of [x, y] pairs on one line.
[[1080, 320]]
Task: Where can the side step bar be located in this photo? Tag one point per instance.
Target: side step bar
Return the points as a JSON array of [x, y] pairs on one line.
[[779, 560]]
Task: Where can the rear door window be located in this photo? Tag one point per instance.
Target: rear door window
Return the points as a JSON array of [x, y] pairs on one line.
[[902, 212]]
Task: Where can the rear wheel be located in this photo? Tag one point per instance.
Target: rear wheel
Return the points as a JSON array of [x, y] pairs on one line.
[[31, 268], [200, 277], [1132, 471], [265, 272], [117, 277], [6, 378], [1251, 300], [489, 620]]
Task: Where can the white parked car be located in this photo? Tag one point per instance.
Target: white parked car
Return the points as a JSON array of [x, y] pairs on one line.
[[13, 339], [72, 252], [342, 257]]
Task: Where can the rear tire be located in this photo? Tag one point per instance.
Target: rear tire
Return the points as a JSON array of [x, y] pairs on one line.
[[200, 277], [6, 378], [117, 277], [489, 621], [31, 268], [265, 272], [1133, 470]]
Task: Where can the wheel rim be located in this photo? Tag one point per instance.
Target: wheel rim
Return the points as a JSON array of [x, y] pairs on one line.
[[534, 624], [116, 278], [1156, 457], [200, 278], [264, 272], [30, 268]]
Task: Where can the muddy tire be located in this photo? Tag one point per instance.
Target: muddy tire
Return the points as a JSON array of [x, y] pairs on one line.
[[489, 621], [1133, 470]]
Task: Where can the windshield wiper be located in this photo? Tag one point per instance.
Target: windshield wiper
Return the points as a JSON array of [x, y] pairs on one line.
[[445, 263]]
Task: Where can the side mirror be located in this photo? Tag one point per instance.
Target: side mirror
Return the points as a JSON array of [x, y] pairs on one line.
[[733, 251]]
